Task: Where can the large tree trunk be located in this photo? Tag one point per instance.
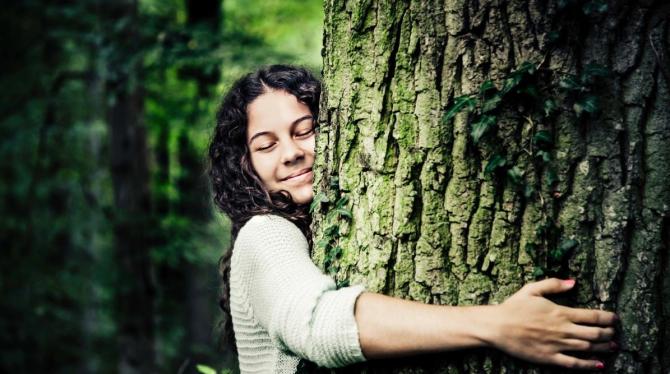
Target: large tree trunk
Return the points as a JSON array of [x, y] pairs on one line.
[[428, 224]]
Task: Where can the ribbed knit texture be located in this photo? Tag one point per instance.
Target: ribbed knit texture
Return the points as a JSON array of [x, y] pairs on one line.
[[283, 307]]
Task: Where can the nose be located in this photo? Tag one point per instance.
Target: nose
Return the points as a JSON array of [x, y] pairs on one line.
[[291, 152]]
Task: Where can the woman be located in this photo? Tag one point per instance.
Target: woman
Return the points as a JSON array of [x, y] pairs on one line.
[[284, 309]]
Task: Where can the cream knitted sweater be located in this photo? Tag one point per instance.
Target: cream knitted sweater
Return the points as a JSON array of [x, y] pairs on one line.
[[283, 307]]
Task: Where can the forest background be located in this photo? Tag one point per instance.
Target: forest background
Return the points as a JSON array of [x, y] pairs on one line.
[[109, 240]]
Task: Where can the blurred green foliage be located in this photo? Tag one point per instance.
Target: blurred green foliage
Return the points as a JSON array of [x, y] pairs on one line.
[[58, 271]]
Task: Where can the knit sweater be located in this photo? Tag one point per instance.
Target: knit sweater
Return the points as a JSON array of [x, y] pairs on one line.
[[283, 307]]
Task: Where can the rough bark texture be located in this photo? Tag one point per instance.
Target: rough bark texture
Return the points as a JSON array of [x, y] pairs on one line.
[[429, 225]]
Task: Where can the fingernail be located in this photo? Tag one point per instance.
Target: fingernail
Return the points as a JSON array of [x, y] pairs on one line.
[[600, 365], [614, 346], [569, 282]]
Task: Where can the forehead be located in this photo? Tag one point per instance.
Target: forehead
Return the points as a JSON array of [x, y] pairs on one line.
[[273, 111]]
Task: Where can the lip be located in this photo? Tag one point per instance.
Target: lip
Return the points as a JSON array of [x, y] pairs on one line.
[[298, 175]]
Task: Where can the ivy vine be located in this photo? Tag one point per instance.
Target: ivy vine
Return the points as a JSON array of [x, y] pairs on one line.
[[538, 103], [336, 214]]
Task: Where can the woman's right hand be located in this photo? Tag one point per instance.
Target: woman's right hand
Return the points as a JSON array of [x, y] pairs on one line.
[[531, 327]]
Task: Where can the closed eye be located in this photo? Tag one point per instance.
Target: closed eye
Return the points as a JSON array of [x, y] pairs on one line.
[[305, 133], [265, 147]]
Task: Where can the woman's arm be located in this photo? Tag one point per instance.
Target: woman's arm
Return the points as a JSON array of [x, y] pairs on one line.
[[527, 325]]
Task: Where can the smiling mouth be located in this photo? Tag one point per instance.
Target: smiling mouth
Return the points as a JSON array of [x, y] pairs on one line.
[[298, 174]]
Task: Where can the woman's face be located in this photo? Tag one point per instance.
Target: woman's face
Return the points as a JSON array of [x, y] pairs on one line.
[[280, 137]]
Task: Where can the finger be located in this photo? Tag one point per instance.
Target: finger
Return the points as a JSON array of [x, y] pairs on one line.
[[592, 317], [549, 286], [592, 333], [588, 346], [577, 363]]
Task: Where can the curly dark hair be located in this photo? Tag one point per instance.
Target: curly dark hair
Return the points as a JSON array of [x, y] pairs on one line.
[[238, 191]]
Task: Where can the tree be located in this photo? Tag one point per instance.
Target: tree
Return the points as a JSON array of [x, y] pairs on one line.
[[467, 148]]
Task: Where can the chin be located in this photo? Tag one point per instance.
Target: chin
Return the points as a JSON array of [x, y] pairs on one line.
[[302, 196]]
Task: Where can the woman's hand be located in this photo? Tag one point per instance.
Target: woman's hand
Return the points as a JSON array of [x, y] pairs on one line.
[[531, 327]]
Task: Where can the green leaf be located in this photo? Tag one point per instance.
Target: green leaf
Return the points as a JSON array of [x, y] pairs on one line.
[[595, 6], [460, 103], [549, 107], [342, 201], [528, 191], [543, 137], [343, 212], [530, 90], [511, 82], [551, 177], [570, 83], [546, 156], [588, 103], [486, 86], [205, 369], [567, 245], [323, 243], [316, 202], [531, 249], [594, 70], [496, 161], [515, 175], [553, 36], [337, 252], [538, 272], [480, 127], [332, 231], [491, 103]]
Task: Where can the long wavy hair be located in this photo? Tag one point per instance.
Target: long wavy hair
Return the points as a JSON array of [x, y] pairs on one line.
[[238, 191]]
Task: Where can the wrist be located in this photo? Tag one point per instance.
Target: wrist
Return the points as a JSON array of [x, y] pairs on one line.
[[486, 325]]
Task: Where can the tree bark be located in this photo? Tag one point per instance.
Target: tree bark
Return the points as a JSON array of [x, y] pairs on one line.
[[428, 224]]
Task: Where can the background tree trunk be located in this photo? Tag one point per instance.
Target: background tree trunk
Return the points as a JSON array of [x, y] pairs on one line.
[[132, 203], [428, 224]]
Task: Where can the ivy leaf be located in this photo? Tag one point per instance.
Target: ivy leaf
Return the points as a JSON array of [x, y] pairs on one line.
[[337, 252], [342, 201], [546, 156], [563, 248], [486, 87], [515, 175], [594, 6], [530, 90], [204, 369], [538, 272], [570, 83], [528, 191], [511, 82], [531, 249], [332, 231], [567, 245], [491, 103], [551, 177], [496, 161], [316, 202], [323, 244], [549, 107], [343, 212], [480, 127], [553, 36], [588, 103], [343, 283], [459, 104], [543, 137], [594, 70]]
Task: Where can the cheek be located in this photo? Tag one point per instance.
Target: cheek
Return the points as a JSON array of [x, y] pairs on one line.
[[264, 168]]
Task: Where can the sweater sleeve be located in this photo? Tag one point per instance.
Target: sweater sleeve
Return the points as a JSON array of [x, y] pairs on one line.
[[292, 299]]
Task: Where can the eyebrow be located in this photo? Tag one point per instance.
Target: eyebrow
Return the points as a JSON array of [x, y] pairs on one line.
[[297, 121]]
